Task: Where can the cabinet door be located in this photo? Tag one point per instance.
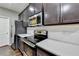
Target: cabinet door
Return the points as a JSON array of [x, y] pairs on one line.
[[28, 50], [70, 12], [26, 16], [21, 45], [51, 13], [21, 16], [38, 7], [31, 9], [41, 53]]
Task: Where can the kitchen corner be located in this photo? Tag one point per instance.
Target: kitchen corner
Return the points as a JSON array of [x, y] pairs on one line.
[[50, 30]]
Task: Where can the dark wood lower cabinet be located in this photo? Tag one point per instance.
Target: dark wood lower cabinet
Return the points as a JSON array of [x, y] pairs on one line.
[[42, 52], [28, 50], [21, 45]]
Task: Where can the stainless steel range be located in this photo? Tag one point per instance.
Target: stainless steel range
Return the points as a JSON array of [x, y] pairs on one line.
[[28, 46], [39, 35]]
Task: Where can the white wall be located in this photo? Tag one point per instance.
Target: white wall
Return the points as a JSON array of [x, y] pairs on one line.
[[12, 16]]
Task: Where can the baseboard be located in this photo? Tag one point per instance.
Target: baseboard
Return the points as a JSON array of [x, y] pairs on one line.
[[3, 46]]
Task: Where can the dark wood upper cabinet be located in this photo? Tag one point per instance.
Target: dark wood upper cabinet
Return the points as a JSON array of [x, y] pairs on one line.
[[30, 9], [26, 16], [70, 12], [34, 8], [54, 13], [21, 16], [38, 7], [51, 13]]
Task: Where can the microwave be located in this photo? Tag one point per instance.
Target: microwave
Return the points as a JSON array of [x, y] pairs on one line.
[[36, 20]]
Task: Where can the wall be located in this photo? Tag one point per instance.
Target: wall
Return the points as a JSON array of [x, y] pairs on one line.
[[12, 16], [63, 33]]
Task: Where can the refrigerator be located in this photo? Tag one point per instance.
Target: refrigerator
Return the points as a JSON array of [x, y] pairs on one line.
[[20, 28]]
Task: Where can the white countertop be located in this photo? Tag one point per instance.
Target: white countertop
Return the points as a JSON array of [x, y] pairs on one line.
[[72, 36], [24, 35], [59, 48]]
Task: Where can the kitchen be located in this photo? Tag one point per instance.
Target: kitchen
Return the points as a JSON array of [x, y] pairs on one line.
[[47, 29]]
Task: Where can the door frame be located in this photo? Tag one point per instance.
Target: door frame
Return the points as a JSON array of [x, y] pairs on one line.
[[8, 29]]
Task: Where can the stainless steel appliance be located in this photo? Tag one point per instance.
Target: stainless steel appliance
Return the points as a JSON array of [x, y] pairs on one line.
[[20, 28], [39, 35], [36, 20]]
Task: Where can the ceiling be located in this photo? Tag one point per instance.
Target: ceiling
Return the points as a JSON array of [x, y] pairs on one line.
[[17, 7]]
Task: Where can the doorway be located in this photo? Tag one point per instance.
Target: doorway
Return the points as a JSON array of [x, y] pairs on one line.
[[4, 31]]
